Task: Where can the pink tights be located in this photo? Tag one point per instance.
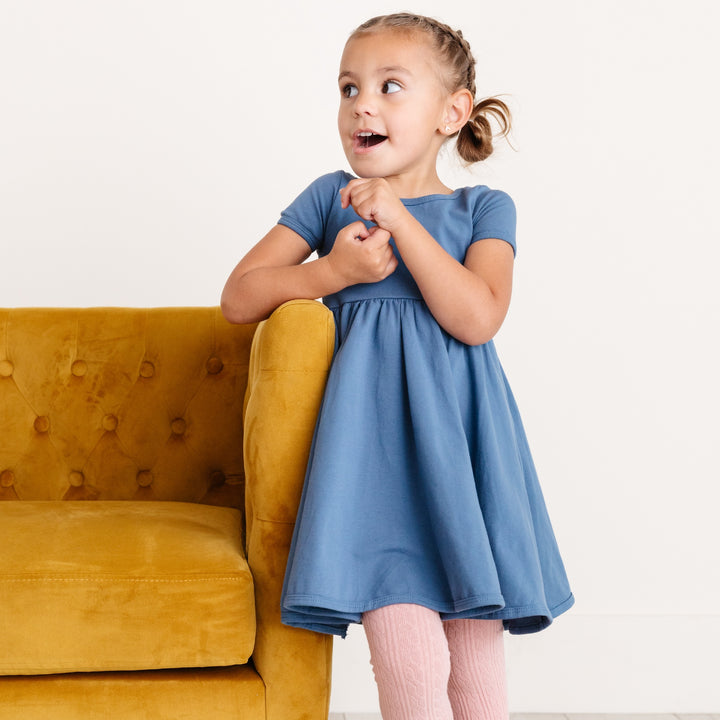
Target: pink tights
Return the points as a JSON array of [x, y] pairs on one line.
[[429, 670]]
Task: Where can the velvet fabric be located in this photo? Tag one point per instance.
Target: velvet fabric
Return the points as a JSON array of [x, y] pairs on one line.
[[146, 411], [133, 585], [234, 693], [287, 381]]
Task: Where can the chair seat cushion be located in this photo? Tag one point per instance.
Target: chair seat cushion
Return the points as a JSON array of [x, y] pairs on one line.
[[94, 586]]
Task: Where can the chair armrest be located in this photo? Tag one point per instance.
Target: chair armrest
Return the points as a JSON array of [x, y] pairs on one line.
[[289, 362]]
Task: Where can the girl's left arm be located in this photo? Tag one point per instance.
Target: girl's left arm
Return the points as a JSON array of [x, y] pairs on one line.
[[469, 300]]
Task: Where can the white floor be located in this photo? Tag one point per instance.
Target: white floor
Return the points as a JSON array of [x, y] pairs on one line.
[[551, 716]]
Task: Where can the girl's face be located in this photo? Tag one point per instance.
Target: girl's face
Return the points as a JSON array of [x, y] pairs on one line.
[[393, 106]]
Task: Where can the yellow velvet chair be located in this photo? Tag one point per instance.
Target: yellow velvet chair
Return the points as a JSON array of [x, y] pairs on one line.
[[160, 598]]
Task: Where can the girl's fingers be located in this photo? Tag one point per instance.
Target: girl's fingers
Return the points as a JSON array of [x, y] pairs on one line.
[[352, 194], [377, 236], [346, 193], [373, 200], [357, 229]]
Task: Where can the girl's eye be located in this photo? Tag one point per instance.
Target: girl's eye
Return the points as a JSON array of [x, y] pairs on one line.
[[390, 86], [349, 91]]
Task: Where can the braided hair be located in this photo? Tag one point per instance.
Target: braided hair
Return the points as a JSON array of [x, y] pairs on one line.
[[474, 139]]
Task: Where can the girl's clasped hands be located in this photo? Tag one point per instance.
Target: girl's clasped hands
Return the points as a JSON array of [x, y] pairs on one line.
[[361, 254]]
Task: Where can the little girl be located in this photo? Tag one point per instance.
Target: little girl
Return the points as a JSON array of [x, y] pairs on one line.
[[421, 516]]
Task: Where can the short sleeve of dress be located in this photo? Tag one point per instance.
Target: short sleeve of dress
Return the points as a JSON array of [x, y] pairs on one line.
[[307, 215], [494, 216]]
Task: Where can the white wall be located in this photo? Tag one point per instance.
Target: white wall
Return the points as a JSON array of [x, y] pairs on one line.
[[145, 145]]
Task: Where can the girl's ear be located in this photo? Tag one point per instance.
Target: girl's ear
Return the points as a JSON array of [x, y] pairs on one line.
[[457, 111]]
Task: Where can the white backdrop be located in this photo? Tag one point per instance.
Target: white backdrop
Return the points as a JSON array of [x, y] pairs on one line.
[[146, 145]]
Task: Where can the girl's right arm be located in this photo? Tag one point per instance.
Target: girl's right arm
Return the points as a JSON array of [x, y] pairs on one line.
[[274, 271]]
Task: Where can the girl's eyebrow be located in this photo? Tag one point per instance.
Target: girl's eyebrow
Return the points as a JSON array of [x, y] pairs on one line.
[[389, 69]]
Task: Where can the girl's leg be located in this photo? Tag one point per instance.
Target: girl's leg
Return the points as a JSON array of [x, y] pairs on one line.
[[411, 662], [478, 684]]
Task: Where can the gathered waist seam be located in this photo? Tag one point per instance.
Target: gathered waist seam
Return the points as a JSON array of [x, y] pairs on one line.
[[336, 305]]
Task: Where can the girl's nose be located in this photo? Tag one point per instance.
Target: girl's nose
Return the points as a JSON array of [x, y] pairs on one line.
[[364, 104]]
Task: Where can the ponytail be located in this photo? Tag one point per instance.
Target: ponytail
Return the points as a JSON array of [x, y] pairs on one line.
[[475, 139]]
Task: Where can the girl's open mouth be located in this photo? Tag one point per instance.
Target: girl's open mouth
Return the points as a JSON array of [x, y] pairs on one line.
[[367, 140]]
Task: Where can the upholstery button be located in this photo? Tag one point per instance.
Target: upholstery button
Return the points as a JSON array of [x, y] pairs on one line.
[[144, 478], [147, 369], [109, 423], [42, 424], [76, 478], [7, 478], [178, 426], [217, 478], [6, 368], [79, 368], [214, 365]]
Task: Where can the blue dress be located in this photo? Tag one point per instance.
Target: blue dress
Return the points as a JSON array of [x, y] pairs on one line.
[[420, 486]]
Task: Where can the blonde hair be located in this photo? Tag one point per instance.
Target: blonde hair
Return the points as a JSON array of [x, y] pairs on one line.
[[475, 138]]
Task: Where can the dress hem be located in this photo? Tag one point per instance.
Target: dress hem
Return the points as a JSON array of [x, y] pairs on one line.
[[323, 604], [325, 616]]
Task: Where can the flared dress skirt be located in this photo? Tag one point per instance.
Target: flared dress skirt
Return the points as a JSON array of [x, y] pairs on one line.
[[420, 486]]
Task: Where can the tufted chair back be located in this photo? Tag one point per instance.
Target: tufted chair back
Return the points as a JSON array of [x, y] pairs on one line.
[[122, 404]]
